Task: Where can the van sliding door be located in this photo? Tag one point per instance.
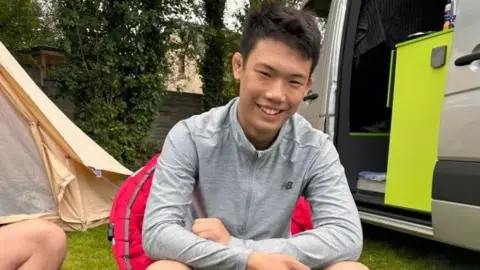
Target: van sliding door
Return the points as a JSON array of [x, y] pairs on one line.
[[456, 179], [319, 103]]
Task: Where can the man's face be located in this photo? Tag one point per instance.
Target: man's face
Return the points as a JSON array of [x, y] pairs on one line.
[[273, 82]]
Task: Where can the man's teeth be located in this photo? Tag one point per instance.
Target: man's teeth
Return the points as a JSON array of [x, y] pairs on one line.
[[269, 110]]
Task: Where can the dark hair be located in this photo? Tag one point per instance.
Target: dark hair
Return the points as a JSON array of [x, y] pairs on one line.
[[298, 29]]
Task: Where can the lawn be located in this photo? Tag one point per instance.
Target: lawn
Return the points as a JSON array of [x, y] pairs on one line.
[[384, 249]]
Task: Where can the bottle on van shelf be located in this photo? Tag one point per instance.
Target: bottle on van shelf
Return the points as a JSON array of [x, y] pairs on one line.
[[447, 15], [453, 13]]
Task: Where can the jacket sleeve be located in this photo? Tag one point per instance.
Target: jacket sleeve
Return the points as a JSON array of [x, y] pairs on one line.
[[164, 234], [337, 232]]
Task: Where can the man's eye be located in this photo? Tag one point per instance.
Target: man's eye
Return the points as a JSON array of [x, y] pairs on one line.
[[296, 83], [265, 74]]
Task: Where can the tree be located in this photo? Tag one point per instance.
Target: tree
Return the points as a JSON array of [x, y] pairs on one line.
[[117, 67], [48, 18], [19, 24], [231, 86], [212, 67]]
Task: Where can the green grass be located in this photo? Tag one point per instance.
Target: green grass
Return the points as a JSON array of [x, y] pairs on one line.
[[89, 250], [384, 249]]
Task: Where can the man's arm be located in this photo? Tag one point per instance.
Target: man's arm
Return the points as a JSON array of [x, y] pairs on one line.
[[337, 234], [164, 233]]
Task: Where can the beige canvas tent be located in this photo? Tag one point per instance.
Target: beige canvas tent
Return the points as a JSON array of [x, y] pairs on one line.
[[49, 168]]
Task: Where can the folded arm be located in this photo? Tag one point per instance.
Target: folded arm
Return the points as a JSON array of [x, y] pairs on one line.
[[164, 233], [337, 233]]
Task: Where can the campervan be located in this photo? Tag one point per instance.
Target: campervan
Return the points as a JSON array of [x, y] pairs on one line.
[[397, 89]]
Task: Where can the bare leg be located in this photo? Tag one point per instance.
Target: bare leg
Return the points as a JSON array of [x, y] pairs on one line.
[[32, 244], [347, 266], [168, 265], [172, 265]]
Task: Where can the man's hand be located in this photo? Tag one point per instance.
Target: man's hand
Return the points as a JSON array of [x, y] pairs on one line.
[[271, 261], [211, 229]]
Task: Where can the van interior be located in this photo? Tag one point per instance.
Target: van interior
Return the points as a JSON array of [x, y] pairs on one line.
[[381, 25], [364, 109]]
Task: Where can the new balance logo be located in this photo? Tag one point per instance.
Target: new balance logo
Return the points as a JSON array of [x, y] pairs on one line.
[[287, 185]]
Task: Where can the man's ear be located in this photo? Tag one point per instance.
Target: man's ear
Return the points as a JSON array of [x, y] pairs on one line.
[[237, 64], [309, 84]]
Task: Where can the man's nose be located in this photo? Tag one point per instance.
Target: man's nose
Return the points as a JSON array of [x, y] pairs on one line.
[[276, 91]]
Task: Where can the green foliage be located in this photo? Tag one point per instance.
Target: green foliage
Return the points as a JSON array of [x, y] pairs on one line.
[[212, 68], [231, 86], [117, 69], [25, 24], [19, 24], [49, 32]]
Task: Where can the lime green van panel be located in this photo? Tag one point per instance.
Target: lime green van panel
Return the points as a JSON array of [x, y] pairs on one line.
[[417, 103]]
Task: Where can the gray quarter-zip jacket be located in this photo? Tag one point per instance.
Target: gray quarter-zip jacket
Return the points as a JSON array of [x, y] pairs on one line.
[[253, 192]]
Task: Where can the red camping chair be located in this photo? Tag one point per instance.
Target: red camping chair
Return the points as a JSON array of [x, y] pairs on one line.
[[126, 219], [302, 217]]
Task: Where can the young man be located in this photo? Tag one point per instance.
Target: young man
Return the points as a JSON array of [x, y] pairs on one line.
[[251, 160], [32, 244]]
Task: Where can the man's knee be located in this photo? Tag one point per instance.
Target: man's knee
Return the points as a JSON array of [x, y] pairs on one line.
[[347, 266], [170, 265]]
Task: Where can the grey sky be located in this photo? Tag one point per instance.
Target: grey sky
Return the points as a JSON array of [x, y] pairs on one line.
[[230, 8]]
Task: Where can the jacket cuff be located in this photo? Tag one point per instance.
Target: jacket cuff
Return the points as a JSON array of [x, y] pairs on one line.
[[243, 260], [236, 242]]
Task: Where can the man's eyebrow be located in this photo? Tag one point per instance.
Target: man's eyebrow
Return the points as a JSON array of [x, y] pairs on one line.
[[267, 66], [272, 69], [299, 76]]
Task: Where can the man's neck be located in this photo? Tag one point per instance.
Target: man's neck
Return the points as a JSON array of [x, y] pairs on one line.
[[261, 144], [260, 141]]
